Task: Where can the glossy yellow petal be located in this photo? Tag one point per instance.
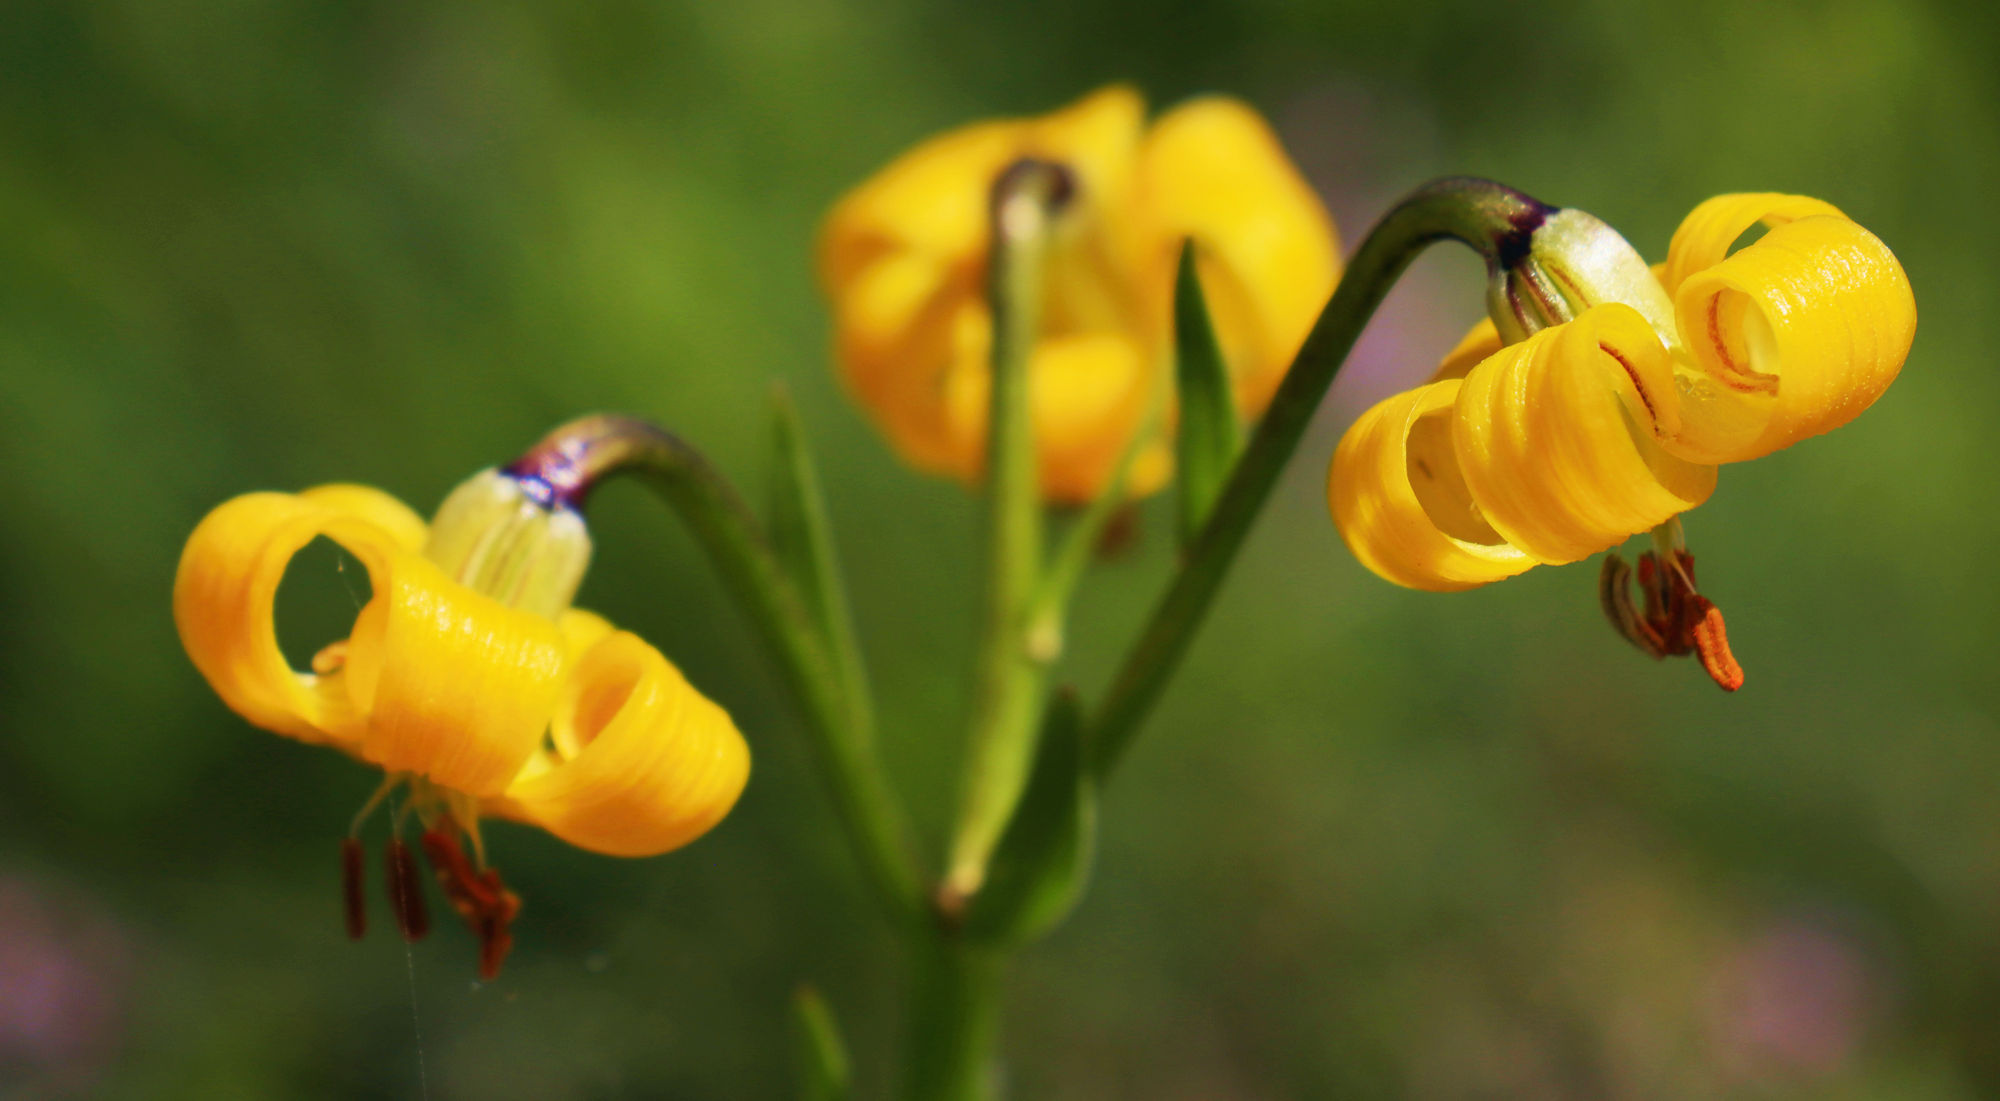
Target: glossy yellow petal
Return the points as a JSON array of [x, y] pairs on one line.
[[1794, 335], [1480, 342], [931, 200], [582, 629], [456, 686], [374, 506], [1555, 437], [1401, 504], [1706, 234], [898, 356], [1211, 169], [1097, 138], [652, 765], [1087, 395], [1089, 282], [904, 258], [226, 590], [935, 199]]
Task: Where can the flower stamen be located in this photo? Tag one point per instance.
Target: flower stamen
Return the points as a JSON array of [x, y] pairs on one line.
[[479, 897], [406, 895], [1674, 619], [1711, 644]]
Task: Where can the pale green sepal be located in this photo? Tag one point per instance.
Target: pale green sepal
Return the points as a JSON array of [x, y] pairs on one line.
[[1581, 262], [494, 537]]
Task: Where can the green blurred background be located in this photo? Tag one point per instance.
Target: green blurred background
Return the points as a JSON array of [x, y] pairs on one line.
[[1375, 844]]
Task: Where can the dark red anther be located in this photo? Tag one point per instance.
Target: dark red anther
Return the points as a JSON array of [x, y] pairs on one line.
[[1673, 619], [406, 892], [353, 865], [1121, 533], [1614, 591], [495, 941], [486, 905]]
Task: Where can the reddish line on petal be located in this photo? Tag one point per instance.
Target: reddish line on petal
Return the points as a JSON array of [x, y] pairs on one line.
[[1632, 373]]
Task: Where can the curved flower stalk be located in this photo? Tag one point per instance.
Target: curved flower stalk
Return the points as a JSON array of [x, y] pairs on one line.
[[1620, 392], [467, 678], [905, 256]]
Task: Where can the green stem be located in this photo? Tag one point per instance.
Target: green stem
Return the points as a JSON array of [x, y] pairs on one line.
[[574, 458], [1049, 606], [954, 1021], [1008, 686], [1494, 220]]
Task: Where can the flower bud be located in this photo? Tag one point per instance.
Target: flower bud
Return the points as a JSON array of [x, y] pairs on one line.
[[1574, 262], [496, 537]]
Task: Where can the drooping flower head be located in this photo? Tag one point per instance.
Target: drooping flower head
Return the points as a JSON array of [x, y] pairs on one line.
[[1601, 397], [904, 259], [467, 678]]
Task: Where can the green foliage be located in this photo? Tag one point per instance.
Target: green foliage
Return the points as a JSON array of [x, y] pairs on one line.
[[802, 537], [1209, 433], [819, 1054], [1043, 860]]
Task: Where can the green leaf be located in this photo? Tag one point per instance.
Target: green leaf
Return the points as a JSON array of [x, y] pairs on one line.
[[1209, 436], [819, 1055], [802, 537], [1039, 869]]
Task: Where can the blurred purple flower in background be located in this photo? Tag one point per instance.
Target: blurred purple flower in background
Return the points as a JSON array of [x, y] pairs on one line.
[[1794, 1001], [63, 966]]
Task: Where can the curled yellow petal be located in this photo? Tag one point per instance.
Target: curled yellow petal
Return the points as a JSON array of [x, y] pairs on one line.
[[1705, 235], [1556, 437], [1481, 341], [647, 762], [456, 686], [1211, 169], [226, 589], [932, 200], [1401, 504], [1794, 335], [582, 629], [903, 260], [900, 336], [1095, 137]]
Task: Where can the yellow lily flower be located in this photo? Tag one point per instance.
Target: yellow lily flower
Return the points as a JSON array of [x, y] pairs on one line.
[[466, 676], [903, 258], [1591, 430]]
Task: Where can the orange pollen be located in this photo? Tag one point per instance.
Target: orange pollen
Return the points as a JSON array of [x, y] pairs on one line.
[[330, 659], [1711, 644], [1673, 619]]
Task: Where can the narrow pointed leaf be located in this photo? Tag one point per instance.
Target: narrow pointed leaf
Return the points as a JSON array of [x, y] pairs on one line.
[[802, 536], [1209, 436], [819, 1055], [1043, 859]]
